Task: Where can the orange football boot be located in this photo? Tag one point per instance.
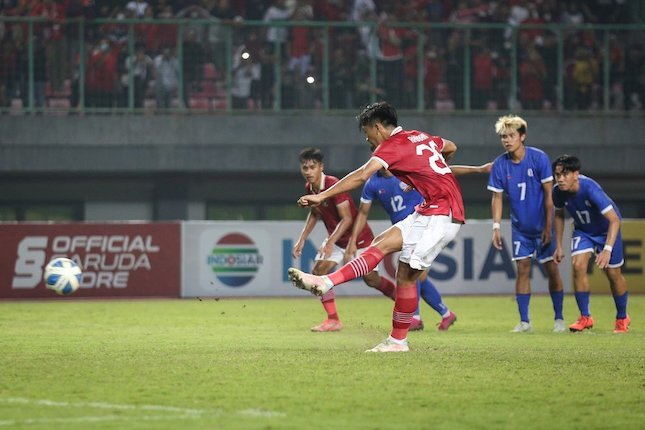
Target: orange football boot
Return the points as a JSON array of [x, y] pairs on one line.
[[622, 325], [328, 325], [585, 322]]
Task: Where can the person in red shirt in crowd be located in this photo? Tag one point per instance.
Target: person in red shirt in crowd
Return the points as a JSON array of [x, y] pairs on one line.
[[148, 33], [390, 62], [533, 34], [419, 160], [299, 45], [482, 78], [532, 78], [52, 33], [410, 72], [435, 73], [338, 214], [101, 75]]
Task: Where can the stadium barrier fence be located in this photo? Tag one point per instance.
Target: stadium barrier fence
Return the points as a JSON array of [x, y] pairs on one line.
[[206, 65]]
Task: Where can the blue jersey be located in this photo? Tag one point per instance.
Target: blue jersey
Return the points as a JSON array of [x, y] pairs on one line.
[[397, 202], [587, 207], [522, 183]]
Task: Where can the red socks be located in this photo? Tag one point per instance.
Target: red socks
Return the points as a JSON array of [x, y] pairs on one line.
[[404, 306], [329, 303], [358, 267]]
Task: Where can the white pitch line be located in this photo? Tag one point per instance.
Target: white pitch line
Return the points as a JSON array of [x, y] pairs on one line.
[[260, 413], [95, 419], [103, 405], [187, 413]]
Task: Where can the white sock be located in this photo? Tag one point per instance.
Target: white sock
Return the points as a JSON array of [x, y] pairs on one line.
[[328, 281]]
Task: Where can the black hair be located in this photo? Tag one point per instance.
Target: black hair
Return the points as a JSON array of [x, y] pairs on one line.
[[381, 112], [569, 163], [311, 154]]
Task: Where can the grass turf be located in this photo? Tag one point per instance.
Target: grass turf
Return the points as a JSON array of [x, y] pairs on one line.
[[253, 364]]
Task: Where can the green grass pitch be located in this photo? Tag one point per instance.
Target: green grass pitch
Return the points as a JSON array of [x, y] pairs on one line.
[[254, 364]]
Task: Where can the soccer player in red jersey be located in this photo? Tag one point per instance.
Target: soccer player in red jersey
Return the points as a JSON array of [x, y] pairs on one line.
[[419, 160], [338, 214]]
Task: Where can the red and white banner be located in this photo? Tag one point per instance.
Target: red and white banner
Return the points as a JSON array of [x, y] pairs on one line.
[[118, 259]]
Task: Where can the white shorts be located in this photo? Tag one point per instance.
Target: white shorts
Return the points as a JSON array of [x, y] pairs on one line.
[[424, 237], [338, 255]]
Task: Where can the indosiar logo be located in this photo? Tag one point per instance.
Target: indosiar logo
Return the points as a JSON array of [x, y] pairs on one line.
[[235, 260]]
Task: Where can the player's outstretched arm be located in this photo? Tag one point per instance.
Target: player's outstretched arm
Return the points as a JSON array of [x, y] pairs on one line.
[[460, 169], [350, 182]]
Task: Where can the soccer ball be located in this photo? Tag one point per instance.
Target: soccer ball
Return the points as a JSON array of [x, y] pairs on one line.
[[63, 276]]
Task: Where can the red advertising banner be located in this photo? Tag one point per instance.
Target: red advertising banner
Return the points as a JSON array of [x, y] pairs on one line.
[[117, 259]]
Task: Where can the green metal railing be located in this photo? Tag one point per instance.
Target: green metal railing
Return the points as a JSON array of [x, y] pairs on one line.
[[81, 35]]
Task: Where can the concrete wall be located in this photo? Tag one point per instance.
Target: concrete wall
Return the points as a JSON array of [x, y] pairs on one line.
[[174, 166], [268, 142]]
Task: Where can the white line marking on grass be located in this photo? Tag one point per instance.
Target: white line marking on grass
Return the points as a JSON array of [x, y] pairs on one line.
[[96, 419], [185, 413], [261, 413], [103, 405]]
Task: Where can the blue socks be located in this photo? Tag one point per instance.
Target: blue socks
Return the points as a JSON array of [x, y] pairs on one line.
[[558, 299], [523, 301], [621, 305], [583, 303], [431, 296]]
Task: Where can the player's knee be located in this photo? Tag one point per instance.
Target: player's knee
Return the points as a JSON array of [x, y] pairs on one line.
[[579, 266], [523, 267]]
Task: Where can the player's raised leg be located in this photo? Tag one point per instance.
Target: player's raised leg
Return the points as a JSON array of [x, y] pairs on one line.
[[388, 241], [315, 284]]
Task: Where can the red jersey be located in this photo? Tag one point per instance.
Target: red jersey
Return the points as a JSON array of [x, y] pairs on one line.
[[329, 213], [415, 158]]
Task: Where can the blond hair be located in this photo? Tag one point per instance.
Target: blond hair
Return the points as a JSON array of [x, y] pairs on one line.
[[511, 122]]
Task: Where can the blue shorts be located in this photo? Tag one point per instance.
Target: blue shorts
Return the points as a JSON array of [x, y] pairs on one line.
[[582, 242], [525, 246]]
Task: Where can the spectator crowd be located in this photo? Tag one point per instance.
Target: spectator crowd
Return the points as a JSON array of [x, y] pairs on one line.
[[160, 54]]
